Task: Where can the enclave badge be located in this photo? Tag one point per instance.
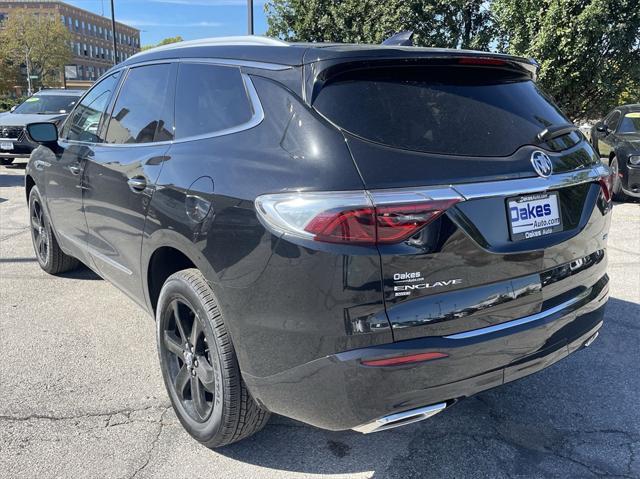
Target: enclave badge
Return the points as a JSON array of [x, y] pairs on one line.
[[541, 163]]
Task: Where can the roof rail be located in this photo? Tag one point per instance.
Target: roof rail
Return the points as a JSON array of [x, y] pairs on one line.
[[221, 41]]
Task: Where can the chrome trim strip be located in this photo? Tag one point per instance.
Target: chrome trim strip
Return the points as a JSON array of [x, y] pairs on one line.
[[95, 254], [518, 322], [237, 63], [525, 186], [413, 195], [401, 418], [109, 261]]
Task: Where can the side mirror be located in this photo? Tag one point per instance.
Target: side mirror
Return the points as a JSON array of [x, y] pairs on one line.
[[13, 108], [43, 133], [602, 128]]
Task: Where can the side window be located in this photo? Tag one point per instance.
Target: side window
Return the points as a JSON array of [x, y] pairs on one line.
[[84, 123], [612, 120], [209, 98], [143, 112]]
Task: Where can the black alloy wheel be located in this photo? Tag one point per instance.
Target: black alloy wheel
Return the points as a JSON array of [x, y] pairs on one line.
[[188, 360], [199, 364], [39, 233], [50, 256]]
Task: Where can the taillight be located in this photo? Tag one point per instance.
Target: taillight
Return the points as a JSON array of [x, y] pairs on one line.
[[480, 61], [606, 184], [362, 218]]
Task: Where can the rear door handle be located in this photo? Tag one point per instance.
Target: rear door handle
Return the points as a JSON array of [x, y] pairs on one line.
[[137, 184]]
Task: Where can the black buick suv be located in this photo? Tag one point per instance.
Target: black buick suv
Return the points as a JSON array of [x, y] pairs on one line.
[[353, 236]]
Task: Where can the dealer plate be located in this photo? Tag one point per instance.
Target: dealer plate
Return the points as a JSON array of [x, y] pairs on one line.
[[532, 216]]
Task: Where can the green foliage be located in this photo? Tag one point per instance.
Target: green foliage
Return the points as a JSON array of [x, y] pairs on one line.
[[458, 23], [6, 103], [588, 50], [165, 41], [41, 40]]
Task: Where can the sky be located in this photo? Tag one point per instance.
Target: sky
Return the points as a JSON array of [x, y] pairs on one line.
[[191, 19]]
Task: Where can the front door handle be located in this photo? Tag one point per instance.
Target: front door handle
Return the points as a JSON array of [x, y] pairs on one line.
[[137, 183], [41, 165], [75, 169]]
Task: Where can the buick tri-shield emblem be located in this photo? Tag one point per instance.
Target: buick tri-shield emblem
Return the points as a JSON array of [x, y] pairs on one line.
[[542, 163]]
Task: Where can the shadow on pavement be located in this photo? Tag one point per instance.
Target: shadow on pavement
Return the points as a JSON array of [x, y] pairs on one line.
[[577, 418], [11, 180], [17, 260], [82, 272]]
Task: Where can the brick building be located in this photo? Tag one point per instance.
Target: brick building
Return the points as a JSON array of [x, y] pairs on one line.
[[92, 45]]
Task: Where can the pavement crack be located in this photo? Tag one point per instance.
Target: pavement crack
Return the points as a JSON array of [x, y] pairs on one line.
[[107, 415], [153, 446]]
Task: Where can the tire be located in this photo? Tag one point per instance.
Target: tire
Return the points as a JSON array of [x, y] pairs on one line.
[[199, 364], [618, 194], [6, 161], [48, 253]]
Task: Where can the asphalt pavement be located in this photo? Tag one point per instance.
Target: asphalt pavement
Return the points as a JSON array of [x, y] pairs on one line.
[[81, 394]]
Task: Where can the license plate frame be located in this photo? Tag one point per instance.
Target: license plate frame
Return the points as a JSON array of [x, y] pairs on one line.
[[525, 226], [6, 145]]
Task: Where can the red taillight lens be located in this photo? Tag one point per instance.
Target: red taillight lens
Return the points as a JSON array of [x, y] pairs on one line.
[[480, 61], [606, 183], [352, 226], [399, 360], [396, 223], [384, 224]]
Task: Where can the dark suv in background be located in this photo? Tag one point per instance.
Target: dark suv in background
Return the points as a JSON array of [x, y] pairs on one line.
[[46, 105], [617, 140], [353, 236]]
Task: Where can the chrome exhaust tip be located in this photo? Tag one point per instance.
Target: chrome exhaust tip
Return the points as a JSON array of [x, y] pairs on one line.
[[590, 341], [401, 418]]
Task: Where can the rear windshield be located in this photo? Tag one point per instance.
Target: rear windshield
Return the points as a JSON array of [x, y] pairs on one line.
[[446, 110]]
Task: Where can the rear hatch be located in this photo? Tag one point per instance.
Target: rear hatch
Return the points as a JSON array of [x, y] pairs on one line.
[[470, 130]]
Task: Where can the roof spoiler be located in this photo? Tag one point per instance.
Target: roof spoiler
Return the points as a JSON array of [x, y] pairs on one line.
[[401, 39]]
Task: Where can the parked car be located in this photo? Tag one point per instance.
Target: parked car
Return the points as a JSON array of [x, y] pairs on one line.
[[353, 236], [617, 138], [46, 105]]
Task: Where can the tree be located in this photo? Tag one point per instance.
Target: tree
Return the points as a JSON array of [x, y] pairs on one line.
[[438, 23], [165, 41], [588, 50], [9, 71], [40, 43]]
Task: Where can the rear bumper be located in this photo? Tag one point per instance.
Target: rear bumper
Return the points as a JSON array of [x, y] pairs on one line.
[[337, 392]]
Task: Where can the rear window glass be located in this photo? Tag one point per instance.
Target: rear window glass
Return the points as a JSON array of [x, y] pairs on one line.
[[143, 112], [209, 99], [446, 110]]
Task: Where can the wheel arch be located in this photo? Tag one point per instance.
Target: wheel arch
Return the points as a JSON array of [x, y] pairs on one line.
[[164, 253], [29, 183]]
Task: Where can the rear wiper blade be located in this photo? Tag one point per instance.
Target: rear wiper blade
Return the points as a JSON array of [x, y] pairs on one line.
[[552, 132]]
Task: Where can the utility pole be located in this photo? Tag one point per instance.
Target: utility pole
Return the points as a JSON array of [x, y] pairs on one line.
[[250, 16], [29, 89], [113, 27]]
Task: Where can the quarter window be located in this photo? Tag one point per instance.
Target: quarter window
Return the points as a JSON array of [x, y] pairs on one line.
[[209, 98], [84, 123], [143, 112]]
